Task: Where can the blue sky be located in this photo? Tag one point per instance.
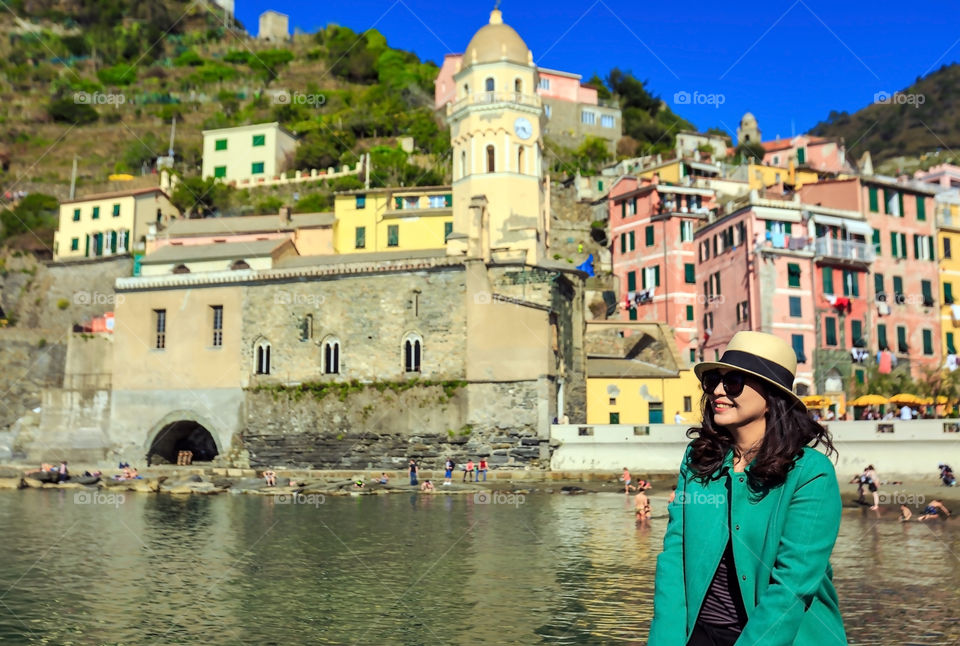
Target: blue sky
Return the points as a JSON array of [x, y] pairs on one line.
[[789, 62]]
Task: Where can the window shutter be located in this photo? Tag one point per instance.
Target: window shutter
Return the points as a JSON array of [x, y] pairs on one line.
[[900, 204], [882, 337], [916, 246], [878, 283], [948, 293], [931, 248], [623, 209], [874, 205], [827, 280], [876, 241], [921, 208], [656, 276], [893, 244], [643, 279], [633, 241], [623, 243], [631, 281]]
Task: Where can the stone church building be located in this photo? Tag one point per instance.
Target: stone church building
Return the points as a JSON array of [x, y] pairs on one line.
[[368, 359]]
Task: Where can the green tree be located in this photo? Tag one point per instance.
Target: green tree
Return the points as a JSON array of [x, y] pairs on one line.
[[66, 110], [118, 75], [313, 203], [202, 196], [267, 64], [35, 212], [603, 92]]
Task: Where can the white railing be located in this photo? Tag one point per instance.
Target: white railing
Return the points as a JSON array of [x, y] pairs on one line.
[[489, 98], [846, 249]]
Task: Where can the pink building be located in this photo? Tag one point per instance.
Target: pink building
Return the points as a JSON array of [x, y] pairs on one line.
[[806, 151], [654, 259], [901, 309], [571, 110], [754, 272], [944, 175]]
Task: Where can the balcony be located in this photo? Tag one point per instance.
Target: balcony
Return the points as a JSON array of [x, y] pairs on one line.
[[849, 250], [493, 98]]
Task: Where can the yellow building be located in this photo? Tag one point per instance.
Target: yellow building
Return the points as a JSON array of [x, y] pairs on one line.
[[109, 224], [760, 176], [636, 376], [392, 219], [948, 234], [500, 192]]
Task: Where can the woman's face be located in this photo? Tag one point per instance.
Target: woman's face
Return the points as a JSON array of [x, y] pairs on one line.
[[740, 410]]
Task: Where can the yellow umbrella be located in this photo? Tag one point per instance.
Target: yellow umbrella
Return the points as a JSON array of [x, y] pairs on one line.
[[905, 398], [869, 400], [120, 177]]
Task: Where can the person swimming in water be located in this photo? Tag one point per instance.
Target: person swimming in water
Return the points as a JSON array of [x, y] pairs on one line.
[[933, 511]]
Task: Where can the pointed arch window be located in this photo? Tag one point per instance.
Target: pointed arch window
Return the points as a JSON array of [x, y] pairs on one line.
[[261, 357], [491, 158], [412, 353], [331, 356]]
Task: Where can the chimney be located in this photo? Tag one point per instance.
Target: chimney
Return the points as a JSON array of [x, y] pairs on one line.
[[286, 215]]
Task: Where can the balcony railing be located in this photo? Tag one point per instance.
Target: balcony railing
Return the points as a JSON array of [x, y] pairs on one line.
[[489, 98], [844, 249]]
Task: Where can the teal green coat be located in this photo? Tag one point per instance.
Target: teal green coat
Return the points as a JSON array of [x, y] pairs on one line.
[[782, 539]]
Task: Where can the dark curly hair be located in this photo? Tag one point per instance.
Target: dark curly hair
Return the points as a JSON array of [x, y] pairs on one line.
[[789, 430]]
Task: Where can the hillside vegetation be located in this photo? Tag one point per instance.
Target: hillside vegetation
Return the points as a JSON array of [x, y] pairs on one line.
[[918, 120], [102, 81]]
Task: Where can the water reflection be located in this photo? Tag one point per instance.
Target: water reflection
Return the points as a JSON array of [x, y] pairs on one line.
[[402, 570]]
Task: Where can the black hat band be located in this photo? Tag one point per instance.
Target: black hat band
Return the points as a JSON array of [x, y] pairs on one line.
[[764, 367]]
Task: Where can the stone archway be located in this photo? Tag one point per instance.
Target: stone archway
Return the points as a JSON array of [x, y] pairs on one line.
[[183, 431]]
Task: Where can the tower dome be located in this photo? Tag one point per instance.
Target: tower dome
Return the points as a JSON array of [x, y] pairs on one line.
[[497, 41]]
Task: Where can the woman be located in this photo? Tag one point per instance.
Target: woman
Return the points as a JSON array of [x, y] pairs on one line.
[[746, 552]]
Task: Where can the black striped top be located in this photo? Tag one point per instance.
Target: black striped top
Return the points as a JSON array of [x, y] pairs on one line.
[[723, 605]]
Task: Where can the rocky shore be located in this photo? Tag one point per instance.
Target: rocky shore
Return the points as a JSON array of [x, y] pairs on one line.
[[200, 480]]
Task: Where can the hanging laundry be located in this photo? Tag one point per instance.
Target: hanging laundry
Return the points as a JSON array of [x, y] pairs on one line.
[[955, 315], [779, 239], [883, 309], [859, 355], [951, 362], [832, 299], [885, 359]]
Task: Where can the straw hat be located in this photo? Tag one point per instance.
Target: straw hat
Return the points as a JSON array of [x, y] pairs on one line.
[[765, 356]]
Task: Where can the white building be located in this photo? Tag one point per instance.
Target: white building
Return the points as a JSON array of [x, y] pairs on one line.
[[258, 151], [274, 27]]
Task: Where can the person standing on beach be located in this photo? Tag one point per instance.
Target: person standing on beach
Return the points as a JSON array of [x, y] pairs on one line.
[[413, 472], [626, 480], [448, 471], [468, 470], [746, 554], [872, 480]]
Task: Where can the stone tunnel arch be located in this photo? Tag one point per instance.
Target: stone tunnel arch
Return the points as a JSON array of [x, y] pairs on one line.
[[183, 432]]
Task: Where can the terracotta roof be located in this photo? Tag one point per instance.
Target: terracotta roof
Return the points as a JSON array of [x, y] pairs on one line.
[[106, 196]]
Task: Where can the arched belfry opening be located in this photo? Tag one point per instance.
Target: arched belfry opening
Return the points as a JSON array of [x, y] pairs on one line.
[[183, 435]]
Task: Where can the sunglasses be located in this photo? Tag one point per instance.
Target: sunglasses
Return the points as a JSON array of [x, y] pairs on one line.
[[733, 382]]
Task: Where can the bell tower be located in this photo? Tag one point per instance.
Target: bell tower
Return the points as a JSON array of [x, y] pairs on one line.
[[496, 137]]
